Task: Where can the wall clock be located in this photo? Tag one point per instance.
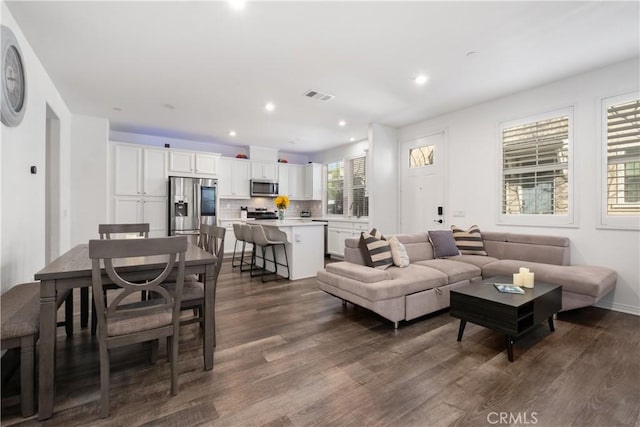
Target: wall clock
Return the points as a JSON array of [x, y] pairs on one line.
[[14, 84]]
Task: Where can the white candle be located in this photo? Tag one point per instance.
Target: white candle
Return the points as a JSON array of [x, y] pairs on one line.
[[527, 280], [523, 270], [517, 279]]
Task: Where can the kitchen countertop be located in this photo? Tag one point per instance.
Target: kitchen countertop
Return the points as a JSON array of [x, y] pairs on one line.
[[289, 222], [323, 218]]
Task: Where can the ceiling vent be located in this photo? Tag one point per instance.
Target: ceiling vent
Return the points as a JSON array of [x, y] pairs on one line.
[[324, 97]]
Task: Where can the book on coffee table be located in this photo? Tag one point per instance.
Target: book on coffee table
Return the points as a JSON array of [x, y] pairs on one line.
[[508, 289]]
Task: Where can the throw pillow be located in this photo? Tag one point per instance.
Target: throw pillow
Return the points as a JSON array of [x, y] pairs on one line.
[[398, 253], [375, 251], [443, 243], [469, 242]]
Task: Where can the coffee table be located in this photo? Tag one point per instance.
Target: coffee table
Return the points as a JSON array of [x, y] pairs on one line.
[[512, 314]]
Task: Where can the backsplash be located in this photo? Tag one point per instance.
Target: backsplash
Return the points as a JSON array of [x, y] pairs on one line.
[[230, 208]]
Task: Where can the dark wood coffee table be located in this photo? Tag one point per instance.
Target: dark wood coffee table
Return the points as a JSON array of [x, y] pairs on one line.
[[512, 314]]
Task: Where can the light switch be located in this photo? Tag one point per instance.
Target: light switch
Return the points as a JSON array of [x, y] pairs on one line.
[[298, 237]]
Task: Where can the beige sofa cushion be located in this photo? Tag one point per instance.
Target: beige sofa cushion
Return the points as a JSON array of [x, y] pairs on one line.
[[358, 272], [478, 261], [407, 281], [456, 271], [580, 279]]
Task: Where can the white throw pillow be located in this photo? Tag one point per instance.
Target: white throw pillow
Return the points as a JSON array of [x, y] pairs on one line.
[[398, 253]]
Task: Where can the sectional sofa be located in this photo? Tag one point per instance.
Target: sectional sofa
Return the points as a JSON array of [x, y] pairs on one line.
[[423, 287]]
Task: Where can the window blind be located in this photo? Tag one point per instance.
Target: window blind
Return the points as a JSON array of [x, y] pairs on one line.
[[623, 158], [359, 197], [535, 164]]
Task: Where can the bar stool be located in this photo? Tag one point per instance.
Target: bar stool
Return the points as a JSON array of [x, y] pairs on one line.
[[237, 231], [260, 239], [247, 235]]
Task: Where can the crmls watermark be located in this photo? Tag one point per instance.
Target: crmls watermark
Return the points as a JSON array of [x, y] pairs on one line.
[[512, 418]]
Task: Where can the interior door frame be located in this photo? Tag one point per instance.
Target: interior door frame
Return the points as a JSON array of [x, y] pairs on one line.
[[445, 171]]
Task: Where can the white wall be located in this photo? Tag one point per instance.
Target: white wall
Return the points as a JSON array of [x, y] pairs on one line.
[[89, 142], [23, 194], [382, 178], [473, 171]]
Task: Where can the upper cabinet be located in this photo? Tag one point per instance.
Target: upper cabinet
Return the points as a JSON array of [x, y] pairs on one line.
[[291, 180], [313, 182], [139, 171], [191, 164], [260, 170], [234, 176]]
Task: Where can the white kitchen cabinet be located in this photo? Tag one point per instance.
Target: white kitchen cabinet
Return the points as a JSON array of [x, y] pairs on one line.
[[338, 231], [313, 181], [260, 170], [207, 164], [291, 180], [152, 210], [181, 162], [193, 164], [139, 171], [234, 179]]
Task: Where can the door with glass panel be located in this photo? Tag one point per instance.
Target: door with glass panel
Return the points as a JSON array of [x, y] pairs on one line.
[[422, 172]]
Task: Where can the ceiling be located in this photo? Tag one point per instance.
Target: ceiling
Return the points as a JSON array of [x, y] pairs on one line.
[[197, 70]]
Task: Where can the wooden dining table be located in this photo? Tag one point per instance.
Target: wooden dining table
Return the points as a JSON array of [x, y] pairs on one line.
[[73, 270]]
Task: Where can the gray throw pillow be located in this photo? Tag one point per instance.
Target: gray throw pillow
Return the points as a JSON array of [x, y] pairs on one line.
[[443, 243]]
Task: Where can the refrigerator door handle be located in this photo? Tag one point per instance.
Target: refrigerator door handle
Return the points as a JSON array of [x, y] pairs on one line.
[[197, 207]]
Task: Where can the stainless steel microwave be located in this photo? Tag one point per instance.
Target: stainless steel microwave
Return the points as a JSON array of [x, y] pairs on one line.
[[264, 188]]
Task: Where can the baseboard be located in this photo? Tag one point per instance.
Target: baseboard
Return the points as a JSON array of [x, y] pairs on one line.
[[624, 308]]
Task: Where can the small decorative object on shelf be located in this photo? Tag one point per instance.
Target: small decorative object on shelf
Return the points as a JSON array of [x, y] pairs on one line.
[[282, 203], [241, 156], [283, 161]]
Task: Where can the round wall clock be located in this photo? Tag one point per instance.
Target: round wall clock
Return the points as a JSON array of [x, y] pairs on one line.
[[14, 85]]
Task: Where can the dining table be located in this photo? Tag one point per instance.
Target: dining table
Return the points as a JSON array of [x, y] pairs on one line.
[[73, 270]]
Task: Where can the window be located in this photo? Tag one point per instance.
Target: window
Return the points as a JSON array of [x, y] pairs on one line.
[[421, 156], [335, 188], [621, 160], [348, 187], [535, 185], [358, 196]]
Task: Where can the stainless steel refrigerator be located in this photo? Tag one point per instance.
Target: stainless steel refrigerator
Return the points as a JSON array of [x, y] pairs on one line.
[[192, 201]]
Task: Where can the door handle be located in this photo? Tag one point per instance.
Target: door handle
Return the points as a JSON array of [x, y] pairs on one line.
[[439, 221]]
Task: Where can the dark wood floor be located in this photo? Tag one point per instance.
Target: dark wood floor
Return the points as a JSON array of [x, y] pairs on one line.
[[289, 354]]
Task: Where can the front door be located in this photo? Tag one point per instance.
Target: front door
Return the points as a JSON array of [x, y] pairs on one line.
[[423, 168]]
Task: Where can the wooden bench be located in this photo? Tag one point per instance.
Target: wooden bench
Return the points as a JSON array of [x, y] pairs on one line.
[[20, 315]]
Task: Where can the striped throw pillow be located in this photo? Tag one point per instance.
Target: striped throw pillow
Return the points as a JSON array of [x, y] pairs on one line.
[[469, 242], [375, 250]]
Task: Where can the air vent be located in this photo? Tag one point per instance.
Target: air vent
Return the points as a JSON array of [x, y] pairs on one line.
[[324, 97]]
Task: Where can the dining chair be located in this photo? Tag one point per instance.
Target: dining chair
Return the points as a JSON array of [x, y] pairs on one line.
[[124, 320], [211, 239], [109, 231]]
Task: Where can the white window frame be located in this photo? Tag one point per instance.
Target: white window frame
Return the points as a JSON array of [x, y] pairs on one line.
[[631, 222], [346, 188], [326, 190], [538, 220]]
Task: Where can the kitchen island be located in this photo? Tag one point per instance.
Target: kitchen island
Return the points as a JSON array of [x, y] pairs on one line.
[[305, 245]]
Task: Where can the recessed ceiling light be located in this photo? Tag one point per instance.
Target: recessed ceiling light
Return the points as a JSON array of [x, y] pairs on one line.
[[292, 141], [169, 106], [471, 53], [117, 109], [342, 123], [420, 80], [269, 106], [232, 133], [237, 4], [352, 139]]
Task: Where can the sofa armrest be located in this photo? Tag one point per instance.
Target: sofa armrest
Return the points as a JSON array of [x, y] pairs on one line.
[[358, 272]]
